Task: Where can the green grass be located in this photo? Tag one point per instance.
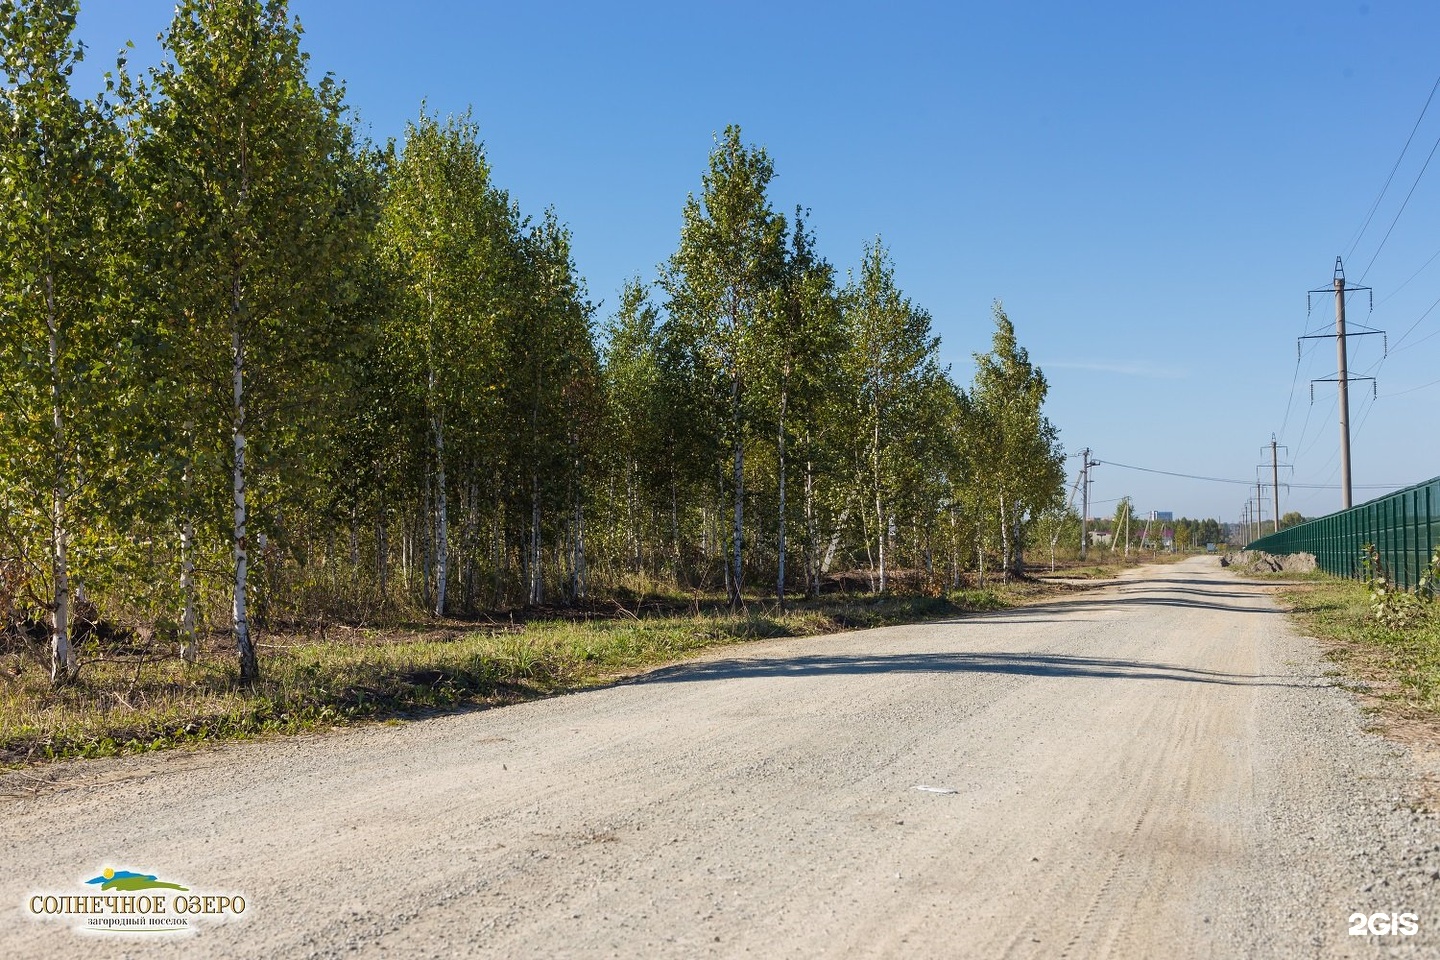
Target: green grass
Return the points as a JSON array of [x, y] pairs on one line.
[[1404, 660], [128, 701], [1290, 576]]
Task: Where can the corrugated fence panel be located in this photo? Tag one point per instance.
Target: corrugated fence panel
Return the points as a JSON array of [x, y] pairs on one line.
[[1403, 526]]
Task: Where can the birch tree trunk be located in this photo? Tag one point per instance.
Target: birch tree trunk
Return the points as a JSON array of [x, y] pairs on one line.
[[63, 661], [240, 622], [835, 536], [881, 529], [1004, 540], [739, 539], [442, 522], [675, 527], [812, 544], [537, 579], [382, 557], [780, 537], [442, 519], [1017, 543], [188, 649]]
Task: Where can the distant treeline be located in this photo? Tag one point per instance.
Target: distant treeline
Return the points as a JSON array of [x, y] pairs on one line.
[[257, 369]]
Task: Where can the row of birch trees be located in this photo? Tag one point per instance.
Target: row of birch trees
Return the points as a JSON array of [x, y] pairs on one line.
[[255, 371]]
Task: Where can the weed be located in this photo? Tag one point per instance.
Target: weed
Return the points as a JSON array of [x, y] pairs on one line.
[[149, 699]]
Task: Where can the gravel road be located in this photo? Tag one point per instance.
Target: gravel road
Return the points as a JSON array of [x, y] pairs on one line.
[[1160, 768]]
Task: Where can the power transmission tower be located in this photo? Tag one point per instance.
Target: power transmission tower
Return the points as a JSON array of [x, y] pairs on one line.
[[1342, 378], [1275, 447]]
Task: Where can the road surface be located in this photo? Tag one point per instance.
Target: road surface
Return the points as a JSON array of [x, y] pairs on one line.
[[1160, 768]]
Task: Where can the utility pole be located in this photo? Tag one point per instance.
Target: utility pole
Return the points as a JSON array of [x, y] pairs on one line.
[[1259, 510], [1085, 465], [1342, 378], [1275, 477]]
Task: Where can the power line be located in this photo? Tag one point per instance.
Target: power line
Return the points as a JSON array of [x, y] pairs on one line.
[[1248, 483], [1423, 386], [1403, 150], [1401, 210], [1294, 379], [1401, 341], [1412, 276]]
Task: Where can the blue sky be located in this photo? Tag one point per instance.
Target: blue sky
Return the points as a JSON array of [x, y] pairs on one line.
[[1151, 188]]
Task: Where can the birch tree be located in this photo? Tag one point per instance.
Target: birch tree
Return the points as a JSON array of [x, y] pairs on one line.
[[891, 358], [244, 158], [804, 343], [719, 283], [1020, 467], [445, 232], [58, 199], [635, 415], [550, 365]]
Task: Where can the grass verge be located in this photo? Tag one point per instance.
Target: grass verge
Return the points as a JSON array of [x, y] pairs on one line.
[[137, 699], [1399, 666]]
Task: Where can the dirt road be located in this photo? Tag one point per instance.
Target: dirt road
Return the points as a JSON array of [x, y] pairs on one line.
[[1158, 768]]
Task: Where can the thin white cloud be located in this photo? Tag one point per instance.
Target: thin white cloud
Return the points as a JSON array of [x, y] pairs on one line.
[[1134, 368]]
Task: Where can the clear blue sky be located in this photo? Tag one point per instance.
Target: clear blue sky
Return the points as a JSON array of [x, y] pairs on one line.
[[1151, 188]]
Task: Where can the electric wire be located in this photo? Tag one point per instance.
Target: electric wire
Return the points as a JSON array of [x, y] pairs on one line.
[[1294, 379], [1433, 257], [1403, 150], [1399, 344], [1403, 205], [1423, 386], [1247, 483]]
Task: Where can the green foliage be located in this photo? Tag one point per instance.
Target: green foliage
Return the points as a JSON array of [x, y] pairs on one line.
[[1015, 451], [1391, 604], [252, 362], [57, 344], [722, 284], [1400, 662]]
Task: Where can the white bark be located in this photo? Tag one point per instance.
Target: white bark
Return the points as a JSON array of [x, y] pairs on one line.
[[188, 649], [1004, 540], [537, 580], [63, 661], [882, 531], [880, 527], [442, 524], [739, 536], [812, 545], [240, 623], [780, 538], [187, 589], [835, 536]]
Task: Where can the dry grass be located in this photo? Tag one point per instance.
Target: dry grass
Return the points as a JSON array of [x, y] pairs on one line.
[[137, 698]]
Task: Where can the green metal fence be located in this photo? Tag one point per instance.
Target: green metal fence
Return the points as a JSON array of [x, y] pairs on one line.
[[1404, 526]]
